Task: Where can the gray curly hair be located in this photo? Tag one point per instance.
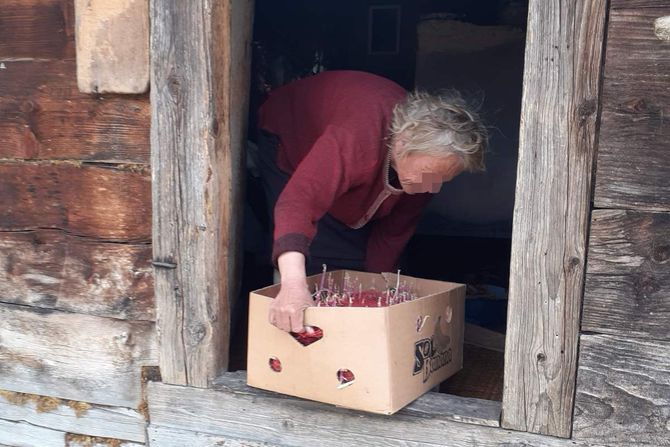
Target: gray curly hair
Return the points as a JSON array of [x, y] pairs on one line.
[[440, 125]]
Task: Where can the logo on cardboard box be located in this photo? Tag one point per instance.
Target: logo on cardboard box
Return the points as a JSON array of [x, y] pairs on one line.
[[432, 354]]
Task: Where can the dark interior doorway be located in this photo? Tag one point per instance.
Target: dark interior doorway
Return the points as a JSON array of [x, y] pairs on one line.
[[476, 47]]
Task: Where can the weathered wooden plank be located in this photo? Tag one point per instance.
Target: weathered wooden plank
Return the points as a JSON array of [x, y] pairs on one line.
[[196, 163], [552, 205], [75, 357], [455, 408], [623, 391], [627, 289], [73, 417], [112, 45], [109, 203], [55, 270], [172, 437], [286, 421], [44, 116], [23, 434], [636, 4], [40, 29], [72, 440], [633, 169]]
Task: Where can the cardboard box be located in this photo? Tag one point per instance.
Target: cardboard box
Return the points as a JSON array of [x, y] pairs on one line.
[[394, 353]]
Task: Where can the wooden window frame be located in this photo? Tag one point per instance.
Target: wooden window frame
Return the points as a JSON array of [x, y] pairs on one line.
[[200, 75]]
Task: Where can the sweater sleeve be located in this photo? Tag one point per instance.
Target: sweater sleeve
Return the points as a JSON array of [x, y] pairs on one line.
[[316, 183], [390, 234]]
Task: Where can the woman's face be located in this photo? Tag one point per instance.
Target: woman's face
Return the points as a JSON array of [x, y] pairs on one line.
[[420, 173]]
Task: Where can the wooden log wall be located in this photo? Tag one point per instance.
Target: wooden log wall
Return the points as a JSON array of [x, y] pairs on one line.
[[623, 385], [77, 317]]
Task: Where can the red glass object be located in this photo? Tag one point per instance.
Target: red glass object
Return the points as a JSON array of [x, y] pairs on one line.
[[345, 376], [307, 337], [275, 364]]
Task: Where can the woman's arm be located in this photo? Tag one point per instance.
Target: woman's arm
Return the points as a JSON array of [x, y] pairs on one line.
[[287, 309]]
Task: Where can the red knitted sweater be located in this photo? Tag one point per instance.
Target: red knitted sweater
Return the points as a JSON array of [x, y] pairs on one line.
[[333, 141]]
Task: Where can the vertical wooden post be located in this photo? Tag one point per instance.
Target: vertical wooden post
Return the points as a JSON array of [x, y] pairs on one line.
[[556, 151], [199, 72]]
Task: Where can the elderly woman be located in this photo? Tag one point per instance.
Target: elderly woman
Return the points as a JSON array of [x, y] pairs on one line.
[[349, 160]]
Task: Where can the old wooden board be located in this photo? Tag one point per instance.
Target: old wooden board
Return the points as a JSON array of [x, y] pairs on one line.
[[72, 440], [455, 408], [109, 203], [112, 45], [75, 357], [25, 434], [552, 205], [636, 4], [633, 169], [44, 116], [171, 437], [36, 29], [623, 391], [628, 275], [52, 269], [196, 150], [259, 417], [73, 417]]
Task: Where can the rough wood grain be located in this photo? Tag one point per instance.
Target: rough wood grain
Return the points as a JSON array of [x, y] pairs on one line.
[[38, 29], [455, 408], [286, 421], [26, 435], [633, 169], [108, 203], [552, 205], [75, 357], [44, 116], [75, 417], [196, 163], [112, 45], [636, 4], [623, 391], [627, 288], [172, 437], [51, 269], [72, 440]]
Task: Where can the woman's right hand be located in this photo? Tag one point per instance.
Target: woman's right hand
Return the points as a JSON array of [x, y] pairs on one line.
[[287, 310]]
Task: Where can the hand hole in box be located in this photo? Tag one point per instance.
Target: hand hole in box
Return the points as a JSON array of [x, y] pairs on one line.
[[345, 377], [275, 364], [310, 335], [448, 313]]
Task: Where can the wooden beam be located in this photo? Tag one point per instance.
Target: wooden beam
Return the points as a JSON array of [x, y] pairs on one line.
[[45, 116], [633, 156], [623, 391], [200, 57], [52, 269], [455, 408], [112, 45], [200, 417], [628, 275], [23, 433], [36, 29], [109, 203], [556, 150], [75, 357], [73, 417]]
